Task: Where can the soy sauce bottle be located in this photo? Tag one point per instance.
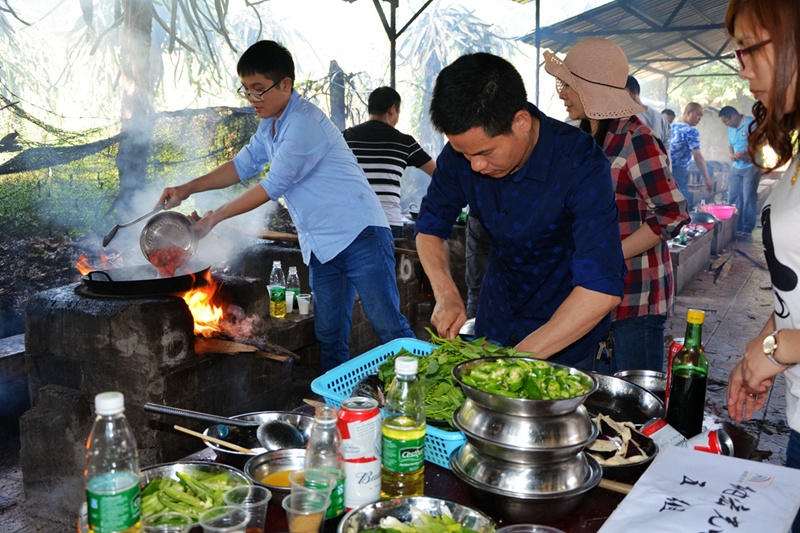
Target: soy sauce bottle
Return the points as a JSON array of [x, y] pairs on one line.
[[689, 377]]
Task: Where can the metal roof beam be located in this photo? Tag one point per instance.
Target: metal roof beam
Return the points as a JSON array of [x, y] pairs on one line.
[[551, 34]]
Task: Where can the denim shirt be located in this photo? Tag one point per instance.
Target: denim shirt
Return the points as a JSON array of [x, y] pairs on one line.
[[737, 139], [553, 226], [317, 175]]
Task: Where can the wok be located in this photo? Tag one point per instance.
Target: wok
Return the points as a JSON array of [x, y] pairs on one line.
[[143, 280]]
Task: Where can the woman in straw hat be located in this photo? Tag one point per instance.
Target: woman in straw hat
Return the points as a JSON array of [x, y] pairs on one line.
[[767, 41], [591, 81]]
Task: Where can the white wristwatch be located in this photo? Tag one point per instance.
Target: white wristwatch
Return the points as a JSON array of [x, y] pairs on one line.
[[769, 345]]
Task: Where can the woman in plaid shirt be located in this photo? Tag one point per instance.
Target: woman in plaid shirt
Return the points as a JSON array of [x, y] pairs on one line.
[[591, 81]]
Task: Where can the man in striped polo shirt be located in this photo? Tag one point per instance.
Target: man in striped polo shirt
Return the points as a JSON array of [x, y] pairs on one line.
[[384, 153]]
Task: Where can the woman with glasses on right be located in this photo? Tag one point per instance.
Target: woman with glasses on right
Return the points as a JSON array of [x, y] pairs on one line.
[[767, 36]]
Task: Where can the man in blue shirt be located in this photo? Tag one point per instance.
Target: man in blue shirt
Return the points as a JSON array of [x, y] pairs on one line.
[[744, 176], [542, 191], [343, 232], [685, 144]]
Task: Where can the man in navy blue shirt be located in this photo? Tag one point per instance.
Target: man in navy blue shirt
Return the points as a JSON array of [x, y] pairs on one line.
[[543, 192]]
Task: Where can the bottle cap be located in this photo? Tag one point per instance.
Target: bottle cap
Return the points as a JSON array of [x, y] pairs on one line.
[[276, 264], [292, 269], [695, 316], [406, 366], [325, 414], [109, 403]]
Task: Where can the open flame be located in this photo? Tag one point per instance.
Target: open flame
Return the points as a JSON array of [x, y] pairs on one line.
[[83, 264], [207, 315]]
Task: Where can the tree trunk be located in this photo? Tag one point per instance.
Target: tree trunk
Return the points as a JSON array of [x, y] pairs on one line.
[[337, 95], [137, 101]]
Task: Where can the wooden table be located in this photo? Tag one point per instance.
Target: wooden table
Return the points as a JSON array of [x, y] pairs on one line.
[[593, 511]]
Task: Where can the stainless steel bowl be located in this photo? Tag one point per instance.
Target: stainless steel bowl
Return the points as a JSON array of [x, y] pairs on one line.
[[302, 422], [268, 463], [168, 229], [170, 470], [521, 493], [632, 472], [528, 528], [369, 516], [652, 380], [623, 401], [525, 439], [522, 406]]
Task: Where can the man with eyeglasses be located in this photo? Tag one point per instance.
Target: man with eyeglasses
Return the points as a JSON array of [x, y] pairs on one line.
[[685, 144], [343, 232]]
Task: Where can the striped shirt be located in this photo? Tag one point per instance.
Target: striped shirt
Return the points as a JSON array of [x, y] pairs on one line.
[[384, 153], [646, 194]]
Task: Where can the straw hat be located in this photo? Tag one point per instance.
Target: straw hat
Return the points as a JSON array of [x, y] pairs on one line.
[[597, 70]]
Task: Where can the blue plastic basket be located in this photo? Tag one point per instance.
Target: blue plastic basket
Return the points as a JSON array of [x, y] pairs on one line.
[[337, 384]]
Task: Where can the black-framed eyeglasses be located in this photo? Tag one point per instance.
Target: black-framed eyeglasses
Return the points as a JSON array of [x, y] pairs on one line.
[[256, 97], [741, 52]]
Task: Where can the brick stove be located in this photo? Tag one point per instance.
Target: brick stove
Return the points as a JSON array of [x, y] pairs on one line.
[[78, 345]]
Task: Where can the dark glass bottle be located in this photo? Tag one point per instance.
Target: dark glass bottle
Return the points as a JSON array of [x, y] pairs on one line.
[[689, 377]]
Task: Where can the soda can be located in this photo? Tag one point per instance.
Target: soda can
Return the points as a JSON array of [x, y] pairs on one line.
[[716, 441], [360, 426], [674, 348]]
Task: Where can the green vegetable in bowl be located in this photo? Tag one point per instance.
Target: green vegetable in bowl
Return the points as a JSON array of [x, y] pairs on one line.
[[521, 378], [421, 522], [194, 494]]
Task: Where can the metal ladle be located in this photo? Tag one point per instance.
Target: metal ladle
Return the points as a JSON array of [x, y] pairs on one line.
[[274, 435], [110, 235]]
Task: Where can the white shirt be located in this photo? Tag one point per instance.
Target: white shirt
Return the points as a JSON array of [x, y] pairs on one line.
[[781, 219], [661, 128]]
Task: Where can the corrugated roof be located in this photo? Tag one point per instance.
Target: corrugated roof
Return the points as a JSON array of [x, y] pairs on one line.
[[660, 37]]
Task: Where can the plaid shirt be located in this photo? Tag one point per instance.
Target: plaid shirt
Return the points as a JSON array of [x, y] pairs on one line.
[[646, 194]]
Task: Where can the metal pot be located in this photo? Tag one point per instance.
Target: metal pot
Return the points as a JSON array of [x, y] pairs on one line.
[[167, 230], [143, 280]]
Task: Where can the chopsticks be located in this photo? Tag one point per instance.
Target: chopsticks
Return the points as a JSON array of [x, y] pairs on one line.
[[215, 440], [616, 486]]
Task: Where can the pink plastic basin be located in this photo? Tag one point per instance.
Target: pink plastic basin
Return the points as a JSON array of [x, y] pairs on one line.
[[722, 212]]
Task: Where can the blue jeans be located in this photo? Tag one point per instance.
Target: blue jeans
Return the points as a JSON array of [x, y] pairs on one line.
[[638, 343], [366, 266], [743, 193], [793, 461], [681, 177]]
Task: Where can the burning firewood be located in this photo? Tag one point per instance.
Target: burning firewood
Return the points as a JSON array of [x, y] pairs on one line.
[[203, 345]]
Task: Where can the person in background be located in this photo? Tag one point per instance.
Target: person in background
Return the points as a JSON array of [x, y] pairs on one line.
[[767, 39], [685, 144], [344, 235], [652, 118], [542, 191], [384, 153], [744, 175], [652, 210], [668, 114]]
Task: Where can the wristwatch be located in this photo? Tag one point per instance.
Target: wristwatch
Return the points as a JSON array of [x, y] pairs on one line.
[[770, 345]]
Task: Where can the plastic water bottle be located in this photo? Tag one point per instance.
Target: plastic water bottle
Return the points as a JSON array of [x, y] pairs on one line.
[[324, 452], [277, 291], [112, 469], [403, 461], [293, 285]]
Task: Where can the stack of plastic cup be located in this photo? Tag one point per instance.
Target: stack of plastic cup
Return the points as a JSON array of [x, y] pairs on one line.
[[254, 500]]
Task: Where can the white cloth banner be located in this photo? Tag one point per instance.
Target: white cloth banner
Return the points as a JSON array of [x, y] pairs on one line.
[[686, 491]]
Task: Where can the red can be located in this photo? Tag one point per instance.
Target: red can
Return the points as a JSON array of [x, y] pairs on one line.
[[360, 426], [674, 348]]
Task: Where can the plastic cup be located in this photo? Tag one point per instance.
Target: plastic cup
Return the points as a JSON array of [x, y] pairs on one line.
[[312, 479], [305, 511], [170, 522], [303, 303], [289, 301], [226, 519], [254, 500]]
